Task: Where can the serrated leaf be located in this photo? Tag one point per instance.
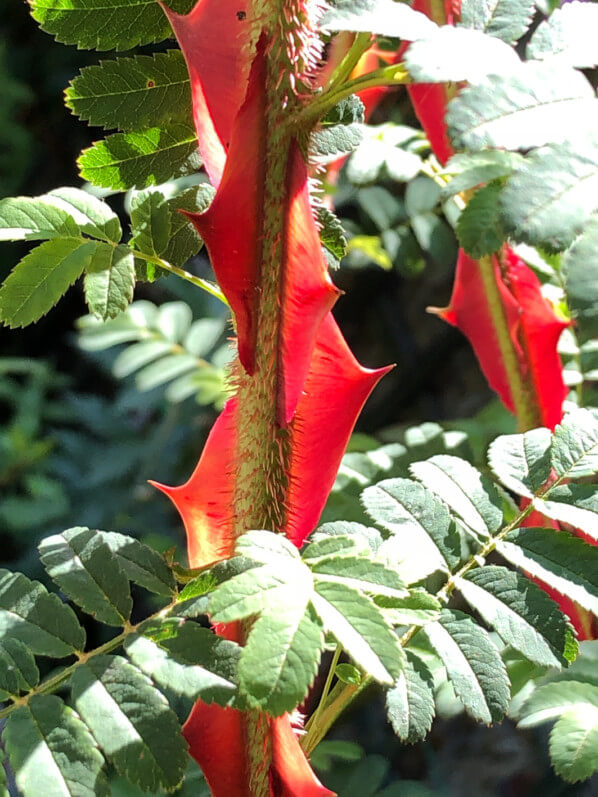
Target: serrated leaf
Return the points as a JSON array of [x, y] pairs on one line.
[[95, 217], [521, 461], [548, 202], [195, 663], [41, 278], [132, 93], [473, 665], [382, 17], [418, 608], [358, 625], [140, 563], [140, 159], [131, 722], [30, 219], [413, 513], [573, 743], [538, 105], [18, 670], [362, 574], [467, 493], [332, 233], [522, 614], [506, 19], [341, 545], [280, 660], [84, 567], [52, 752], [109, 280], [564, 562], [574, 451], [184, 241], [150, 222], [410, 705], [102, 25], [329, 143], [267, 548], [479, 227], [575, 504], [549, 701], [37, 618], [459, 54], [470, 169], [580, 265], [363, 538], [567, 35]]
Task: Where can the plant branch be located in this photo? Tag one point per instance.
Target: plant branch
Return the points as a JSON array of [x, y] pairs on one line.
[[205, 285]]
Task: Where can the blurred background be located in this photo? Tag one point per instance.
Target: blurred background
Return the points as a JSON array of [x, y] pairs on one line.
[[89, 412]]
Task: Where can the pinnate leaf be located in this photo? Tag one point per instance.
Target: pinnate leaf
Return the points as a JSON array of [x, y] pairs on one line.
[[42, 277], [85, 568], [37, 618], [18, 670], [537, 105], [150, 222], [470, 169], [521, 461], [94, 216], [140, 563], [473, 665], [132, 93], [573, 744], [506, 19], [521, 613], [195, 663], [574, 451], [575, 504], [361, 573], [139, 159], [564, 562], [131, 722], [109, 280], [410, 703], [31, 219], [480, 227], [52, 752], [549, 701]]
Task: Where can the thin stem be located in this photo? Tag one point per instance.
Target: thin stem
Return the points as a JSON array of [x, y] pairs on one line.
[[52, 683], [330, 677], [205, 285], [343, 71]]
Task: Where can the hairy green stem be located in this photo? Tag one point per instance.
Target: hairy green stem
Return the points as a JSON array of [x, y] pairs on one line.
[[205, 285]]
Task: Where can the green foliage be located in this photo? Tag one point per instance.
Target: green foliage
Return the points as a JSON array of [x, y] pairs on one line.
[[410, 702], [507, 19], [567, 35], [131, 93], [382, 17], [480, 227], [117, 25], [166, 349], [141, 158]]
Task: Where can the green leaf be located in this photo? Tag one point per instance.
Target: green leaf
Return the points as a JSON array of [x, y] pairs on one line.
[[522, 614], [94, 216], [348, 674], [568, 35], [382, 17], [358, 625], [31, 219], [341, 545], [417, 520], [418, 608], [549, 701], [521, 461], [131, 722], [349, 110], [329, 143], [150, 222], [548, 202], [195, 663], [410, 706], [52, 752], [470, 169], [362, 573], [573, 744], [18, 670], [184, 241], [575, 504], [38, 619], [537, 105], [473, 665], [104, 24], [564, 562], [267, 548], [280, 660], [41, 278], [139, 159], [468, 494], [506, 19], [85, 568], [132, 93], [580, 265], [109, 280], [479, 227], [332, 233], [140, 563], [574, 452], [459, 54]]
